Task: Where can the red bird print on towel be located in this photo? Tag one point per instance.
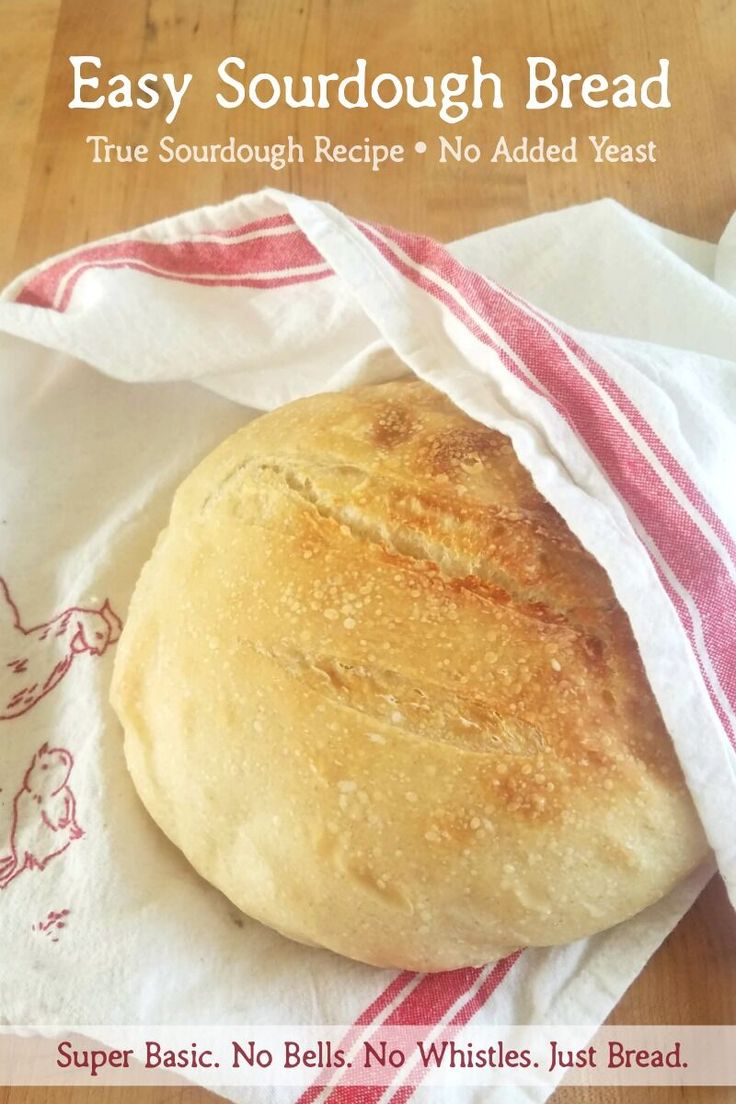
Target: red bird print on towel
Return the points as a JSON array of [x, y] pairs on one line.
[[44, 815], [33, 661]]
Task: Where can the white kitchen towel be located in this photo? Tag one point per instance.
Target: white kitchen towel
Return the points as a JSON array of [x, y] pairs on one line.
[[124, 362]]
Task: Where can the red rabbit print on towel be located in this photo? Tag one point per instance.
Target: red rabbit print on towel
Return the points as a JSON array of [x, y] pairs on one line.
[[34, 660], [44, 815]]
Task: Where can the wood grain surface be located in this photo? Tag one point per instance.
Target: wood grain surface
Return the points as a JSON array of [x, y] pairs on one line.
[[54, 198]]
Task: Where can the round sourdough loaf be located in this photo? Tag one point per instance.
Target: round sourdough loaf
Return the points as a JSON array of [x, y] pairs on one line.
[[380, 696]]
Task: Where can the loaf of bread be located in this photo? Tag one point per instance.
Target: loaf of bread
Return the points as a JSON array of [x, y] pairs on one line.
[[381, 697]]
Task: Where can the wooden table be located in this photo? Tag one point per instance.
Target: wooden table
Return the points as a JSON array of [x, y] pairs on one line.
[[53, 198]]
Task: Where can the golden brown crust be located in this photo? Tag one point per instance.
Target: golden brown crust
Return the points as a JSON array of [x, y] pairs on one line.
[[379, 694]]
